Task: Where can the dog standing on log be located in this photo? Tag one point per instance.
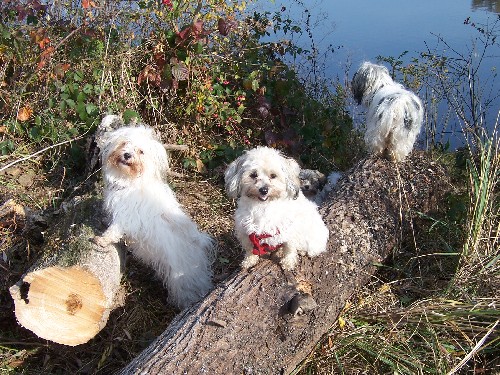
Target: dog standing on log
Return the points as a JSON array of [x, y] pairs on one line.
[[144, 210], [272, 212], [394, 116]]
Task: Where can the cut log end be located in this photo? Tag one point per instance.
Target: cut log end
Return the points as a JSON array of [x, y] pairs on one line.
[[64, 305]]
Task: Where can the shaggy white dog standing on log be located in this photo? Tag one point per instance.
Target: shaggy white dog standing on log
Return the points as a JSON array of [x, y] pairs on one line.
[[394, 116], [144, 210], [273, 213]]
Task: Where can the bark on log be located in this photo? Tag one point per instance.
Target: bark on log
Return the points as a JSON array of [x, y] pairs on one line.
[[265, 321], [67, 296]]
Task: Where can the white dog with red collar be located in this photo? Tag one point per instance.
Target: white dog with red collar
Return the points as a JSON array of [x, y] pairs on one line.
[[272, 212]]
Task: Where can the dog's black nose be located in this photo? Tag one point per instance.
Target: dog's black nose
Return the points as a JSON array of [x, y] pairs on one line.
[[127, 155], [305, 187], [263, 190]]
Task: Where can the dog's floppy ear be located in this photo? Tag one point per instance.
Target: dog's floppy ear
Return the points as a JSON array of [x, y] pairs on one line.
[[156, 150], [232, 177], [358, 87], [292, 171]]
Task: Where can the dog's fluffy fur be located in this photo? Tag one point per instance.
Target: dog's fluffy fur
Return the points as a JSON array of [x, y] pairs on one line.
[[270, 203], [144, 210], [394, 116]]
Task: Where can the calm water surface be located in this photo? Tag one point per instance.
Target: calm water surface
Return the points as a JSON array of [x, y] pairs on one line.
[[364, 29]]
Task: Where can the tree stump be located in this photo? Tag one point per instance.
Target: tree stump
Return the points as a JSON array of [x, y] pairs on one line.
[[266, 320], [67, 296]]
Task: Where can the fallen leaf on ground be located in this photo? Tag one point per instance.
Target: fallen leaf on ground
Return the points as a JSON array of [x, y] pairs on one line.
[[24, 113]]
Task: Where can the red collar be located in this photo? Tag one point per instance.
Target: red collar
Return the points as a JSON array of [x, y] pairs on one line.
[[262, 248]]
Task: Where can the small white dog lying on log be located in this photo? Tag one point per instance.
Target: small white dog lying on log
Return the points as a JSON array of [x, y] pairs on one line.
[[144, 210], [272, 212], [394, 116]]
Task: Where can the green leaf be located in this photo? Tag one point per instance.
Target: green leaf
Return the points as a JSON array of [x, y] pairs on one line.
[[6, 147], [91, 108], [71, 103], [98, 90], [198, 48], [78, 76], [88, 88], [129, 114], [81, 97], [255, 85], [81, 110], [35, 133]]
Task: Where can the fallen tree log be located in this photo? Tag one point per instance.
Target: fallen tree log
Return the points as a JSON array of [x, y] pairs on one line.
[[67, 296], [265, 320]]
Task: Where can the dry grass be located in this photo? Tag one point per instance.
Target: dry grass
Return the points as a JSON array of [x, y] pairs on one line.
[[130, 328], [433, 309]]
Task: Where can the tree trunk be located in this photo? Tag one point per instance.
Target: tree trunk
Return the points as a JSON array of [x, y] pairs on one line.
[[66, 297], [265, 320]]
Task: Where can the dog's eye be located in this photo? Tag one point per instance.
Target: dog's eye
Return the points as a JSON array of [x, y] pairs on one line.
[[273, 175], [141, 152], [253, 175]]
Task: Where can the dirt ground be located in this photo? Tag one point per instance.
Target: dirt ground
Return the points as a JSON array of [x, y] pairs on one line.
[[144, 316]]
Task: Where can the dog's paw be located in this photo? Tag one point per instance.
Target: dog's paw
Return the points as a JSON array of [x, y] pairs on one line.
[[101, 241], [289, 261], [250, 261]]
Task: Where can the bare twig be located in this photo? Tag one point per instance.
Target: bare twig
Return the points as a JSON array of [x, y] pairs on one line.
[[39, 152], [173, 147]]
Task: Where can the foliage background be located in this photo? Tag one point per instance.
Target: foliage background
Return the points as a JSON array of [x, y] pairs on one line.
[[212, 75]]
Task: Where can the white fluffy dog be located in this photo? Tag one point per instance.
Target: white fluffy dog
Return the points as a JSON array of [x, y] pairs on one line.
[[394, 116], [272, 213], [144, 210]]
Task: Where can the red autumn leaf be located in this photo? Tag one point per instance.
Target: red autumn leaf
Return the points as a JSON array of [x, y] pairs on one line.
[[149, 75], [39, 37], [60, 69], [159, 60], [88, 4], [195, 30], [184, 33], [226, 25], [197, 27], [45, 57], [22, 12], [44, 43]]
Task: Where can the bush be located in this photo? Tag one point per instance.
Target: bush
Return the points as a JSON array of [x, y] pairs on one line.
[[198, 71]]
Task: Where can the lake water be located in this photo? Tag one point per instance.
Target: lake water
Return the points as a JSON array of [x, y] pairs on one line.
[[362, 30]]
